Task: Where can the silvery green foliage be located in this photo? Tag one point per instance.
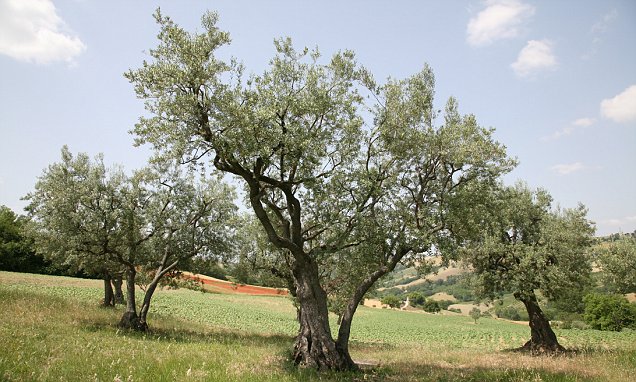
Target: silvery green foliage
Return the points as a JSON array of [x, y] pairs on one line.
[[340, 171], [617, 260], [75, 212], [527, 246], [89, 217]]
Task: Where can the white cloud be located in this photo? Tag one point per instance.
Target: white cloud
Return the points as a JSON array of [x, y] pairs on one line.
[[584, 122], [575, 125], [559, 133], [598, 30], [565, 169], [501, 19], [621, 108], [534, 57], [31, 31], [569, 168], [601, 26]]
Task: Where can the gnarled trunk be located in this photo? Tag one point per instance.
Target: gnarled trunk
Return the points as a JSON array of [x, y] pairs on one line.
[[314, 346], [542, 337], [109, 297], [119, 295], [130, 319]]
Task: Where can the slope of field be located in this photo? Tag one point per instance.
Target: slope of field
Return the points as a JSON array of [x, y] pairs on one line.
[[51, 328]]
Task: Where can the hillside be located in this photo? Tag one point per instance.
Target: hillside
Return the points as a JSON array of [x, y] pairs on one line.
[[53, 329]]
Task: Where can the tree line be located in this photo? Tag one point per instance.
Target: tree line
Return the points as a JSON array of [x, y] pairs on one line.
[[346, 178]]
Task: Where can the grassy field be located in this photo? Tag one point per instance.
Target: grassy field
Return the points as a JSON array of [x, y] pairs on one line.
[[52, 329]]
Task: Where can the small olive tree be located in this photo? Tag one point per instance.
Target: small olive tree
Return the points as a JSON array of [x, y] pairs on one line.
[[93, 218], [526, 246]]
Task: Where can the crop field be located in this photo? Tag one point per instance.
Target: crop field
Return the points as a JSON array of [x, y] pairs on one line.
[[51, 328]]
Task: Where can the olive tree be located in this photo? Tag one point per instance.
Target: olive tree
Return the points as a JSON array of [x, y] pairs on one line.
[[98, 219], [346, 177], [74, 222], [617, 260], [190, 219], [525, 246]]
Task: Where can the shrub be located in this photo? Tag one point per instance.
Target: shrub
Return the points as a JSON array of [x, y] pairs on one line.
[[392, 301], [431, 306], [416, 299], [609, 312], [475, 313], [511, 313]]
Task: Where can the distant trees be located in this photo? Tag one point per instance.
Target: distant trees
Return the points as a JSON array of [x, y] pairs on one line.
[[16, 250], [525, 247], [345, 189], [101, 220]]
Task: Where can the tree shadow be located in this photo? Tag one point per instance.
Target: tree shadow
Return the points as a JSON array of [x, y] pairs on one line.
[[187, 332]]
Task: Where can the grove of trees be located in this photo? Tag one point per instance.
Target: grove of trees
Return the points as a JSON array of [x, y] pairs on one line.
[[103, 221], [346, 177]]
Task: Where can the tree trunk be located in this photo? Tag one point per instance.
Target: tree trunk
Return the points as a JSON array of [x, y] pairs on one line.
[[145, 306], [346, 318], [314, 346], [109, 297], [119, 295], [130, 320], [542, 337]]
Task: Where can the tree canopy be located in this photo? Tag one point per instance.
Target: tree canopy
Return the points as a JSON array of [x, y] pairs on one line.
[[347, 177], [524, 246], [103, 221]]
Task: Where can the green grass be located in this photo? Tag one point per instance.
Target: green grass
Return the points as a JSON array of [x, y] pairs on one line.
[[51, 328]]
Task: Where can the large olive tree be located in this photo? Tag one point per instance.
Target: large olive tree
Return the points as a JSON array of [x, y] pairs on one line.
[[346, 177]]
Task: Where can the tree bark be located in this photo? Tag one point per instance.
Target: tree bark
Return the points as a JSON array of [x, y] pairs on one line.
[[542, 337], [314, 346], [119, 295], [130, 319], [109, 297]]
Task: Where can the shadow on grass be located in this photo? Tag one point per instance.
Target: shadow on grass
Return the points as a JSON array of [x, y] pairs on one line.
[[176, 331], [424, 372], [411, 372], [567, 353]]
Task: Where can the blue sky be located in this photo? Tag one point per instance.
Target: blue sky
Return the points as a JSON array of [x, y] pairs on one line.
[[556, 79]]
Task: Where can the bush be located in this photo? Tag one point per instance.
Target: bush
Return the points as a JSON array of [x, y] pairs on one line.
[[454, 310], [511, 313], [416, 299], [444, 304], [392, 301], [609, 312], [431, 306]]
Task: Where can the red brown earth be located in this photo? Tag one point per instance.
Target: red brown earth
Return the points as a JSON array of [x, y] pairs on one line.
[[231, 287]]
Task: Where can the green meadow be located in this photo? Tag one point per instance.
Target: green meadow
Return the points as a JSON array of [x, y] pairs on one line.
[[53, 329]]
